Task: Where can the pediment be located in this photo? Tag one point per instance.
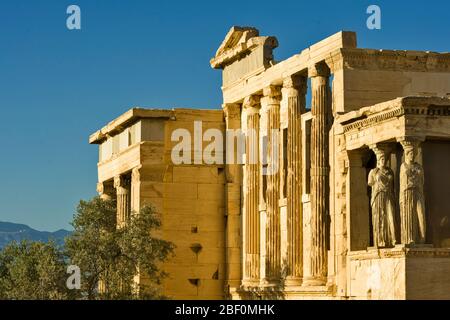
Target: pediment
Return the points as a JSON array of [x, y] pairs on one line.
[[239, 42], [235, 36]]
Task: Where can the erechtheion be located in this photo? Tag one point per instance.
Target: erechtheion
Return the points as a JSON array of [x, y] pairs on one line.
[[359, 204]]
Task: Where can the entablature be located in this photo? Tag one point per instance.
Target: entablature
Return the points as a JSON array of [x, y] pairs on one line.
[[420, 117]]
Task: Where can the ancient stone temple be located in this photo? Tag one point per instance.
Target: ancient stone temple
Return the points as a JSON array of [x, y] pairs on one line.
[[338, 189]]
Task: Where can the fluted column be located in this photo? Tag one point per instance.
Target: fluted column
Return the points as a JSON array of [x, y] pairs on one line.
[[272, 97], [320, 108], [294, 89], [123, 200], [252, 223]]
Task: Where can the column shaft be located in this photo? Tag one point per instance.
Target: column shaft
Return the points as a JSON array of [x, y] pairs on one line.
[[252, 223], [273, 245], [319, 175], [295, 89]]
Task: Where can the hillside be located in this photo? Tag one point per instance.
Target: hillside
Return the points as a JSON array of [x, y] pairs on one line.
[[14, 231]]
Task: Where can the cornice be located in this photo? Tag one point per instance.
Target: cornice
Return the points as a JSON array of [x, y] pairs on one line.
[[399, 252], [243, 49], [407, 106], [394, 60]]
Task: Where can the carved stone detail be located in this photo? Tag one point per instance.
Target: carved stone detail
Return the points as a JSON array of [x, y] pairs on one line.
[[135, 175], [122, 186], [232, 112], [410, 106], [395, 60], [412, 200], [381, 180], [105, 190]]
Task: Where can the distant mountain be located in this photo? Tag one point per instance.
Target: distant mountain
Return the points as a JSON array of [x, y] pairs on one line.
[[14, 231]]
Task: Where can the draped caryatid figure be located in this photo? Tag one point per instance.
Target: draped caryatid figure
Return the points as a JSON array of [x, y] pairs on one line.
[[412, 203], [381, 180]]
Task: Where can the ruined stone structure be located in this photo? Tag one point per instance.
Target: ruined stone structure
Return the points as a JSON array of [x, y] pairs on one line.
[[357, 202]]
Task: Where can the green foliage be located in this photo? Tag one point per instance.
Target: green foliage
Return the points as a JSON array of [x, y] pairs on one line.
[[112, 256], [143, 252], [32, 270], [105, 254], [93, 244]]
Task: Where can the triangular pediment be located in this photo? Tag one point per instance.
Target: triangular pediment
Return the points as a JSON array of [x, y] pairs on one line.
[[239, 42], [236, 36]]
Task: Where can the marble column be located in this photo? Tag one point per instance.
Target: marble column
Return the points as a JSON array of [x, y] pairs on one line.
[[272, 95], [252, 223], [294, 89], [320, 108], [122, 185]]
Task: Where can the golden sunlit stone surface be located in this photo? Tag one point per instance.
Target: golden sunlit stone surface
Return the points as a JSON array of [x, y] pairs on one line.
[[360, 205]]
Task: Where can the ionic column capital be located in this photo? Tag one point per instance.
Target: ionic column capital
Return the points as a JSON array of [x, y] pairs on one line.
[[295, 85], [272, 95], [319, 70], [272, 91], [105, 190], [232, 111], [252, 104], [120, 182]]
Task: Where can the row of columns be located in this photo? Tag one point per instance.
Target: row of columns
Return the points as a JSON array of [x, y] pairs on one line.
[[121, 188], [386, 202], [294, 90]]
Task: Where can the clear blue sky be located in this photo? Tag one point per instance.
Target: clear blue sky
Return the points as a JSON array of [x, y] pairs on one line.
[[58, 86]]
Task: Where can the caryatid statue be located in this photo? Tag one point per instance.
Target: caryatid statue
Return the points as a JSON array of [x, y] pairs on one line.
[[381, 180], [412, 202]]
